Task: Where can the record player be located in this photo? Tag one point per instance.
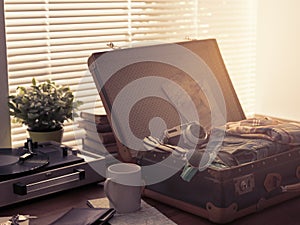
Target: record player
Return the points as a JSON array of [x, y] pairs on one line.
[[39, 169]]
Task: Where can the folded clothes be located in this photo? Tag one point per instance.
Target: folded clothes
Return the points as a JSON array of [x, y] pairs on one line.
[[249, 140], [256, 138], [239, 150], [264, 128], [244, 141], [234, 151]]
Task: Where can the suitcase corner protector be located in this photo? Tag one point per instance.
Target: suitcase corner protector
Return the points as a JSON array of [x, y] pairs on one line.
[[221, 215]]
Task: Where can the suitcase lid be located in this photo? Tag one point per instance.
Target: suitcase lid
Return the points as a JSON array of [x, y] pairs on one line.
[[146, 90]]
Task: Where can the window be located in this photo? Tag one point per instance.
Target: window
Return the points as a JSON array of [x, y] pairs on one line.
[[53, 39], [233, 24]]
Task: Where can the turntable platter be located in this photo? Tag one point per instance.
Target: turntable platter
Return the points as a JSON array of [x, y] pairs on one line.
[[11, 164], [6, 160]]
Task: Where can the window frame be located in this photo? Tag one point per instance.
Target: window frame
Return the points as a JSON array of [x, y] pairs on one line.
[[5, 131]]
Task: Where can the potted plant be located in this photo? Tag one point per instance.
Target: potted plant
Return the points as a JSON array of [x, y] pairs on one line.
[[43, 107]]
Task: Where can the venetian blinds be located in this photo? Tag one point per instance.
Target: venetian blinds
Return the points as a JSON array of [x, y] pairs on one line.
[[53, 39], [233, 24]]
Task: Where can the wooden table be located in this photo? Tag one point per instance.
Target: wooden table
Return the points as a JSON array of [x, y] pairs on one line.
[[51, 207]]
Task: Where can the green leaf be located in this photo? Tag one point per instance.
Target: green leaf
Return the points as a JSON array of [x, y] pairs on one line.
[[33, 82], [43, 105]]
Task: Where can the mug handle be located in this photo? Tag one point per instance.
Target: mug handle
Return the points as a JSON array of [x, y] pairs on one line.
[[108, 182]]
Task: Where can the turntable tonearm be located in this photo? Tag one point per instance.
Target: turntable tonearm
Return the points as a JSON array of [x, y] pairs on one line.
[[39, 169]]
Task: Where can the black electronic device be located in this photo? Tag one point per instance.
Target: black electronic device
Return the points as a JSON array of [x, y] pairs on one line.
[[38, 169]]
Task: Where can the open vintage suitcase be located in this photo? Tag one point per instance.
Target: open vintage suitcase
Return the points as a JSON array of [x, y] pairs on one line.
[[148, 90]]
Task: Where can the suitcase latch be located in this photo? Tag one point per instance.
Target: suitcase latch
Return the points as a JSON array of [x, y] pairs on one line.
[[244, 184]]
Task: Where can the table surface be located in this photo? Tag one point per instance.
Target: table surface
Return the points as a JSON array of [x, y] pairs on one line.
[[49, 208]]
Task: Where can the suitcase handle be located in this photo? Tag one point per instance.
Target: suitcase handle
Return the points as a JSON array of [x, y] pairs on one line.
[[291, 188]]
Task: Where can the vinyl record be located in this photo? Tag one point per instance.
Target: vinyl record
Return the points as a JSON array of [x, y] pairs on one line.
[[12, 164]]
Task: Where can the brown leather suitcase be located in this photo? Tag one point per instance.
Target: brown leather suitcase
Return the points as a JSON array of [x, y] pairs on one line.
[[150, 89]]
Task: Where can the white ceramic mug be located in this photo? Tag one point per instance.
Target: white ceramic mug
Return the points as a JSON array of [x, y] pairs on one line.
[[123, 187]]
